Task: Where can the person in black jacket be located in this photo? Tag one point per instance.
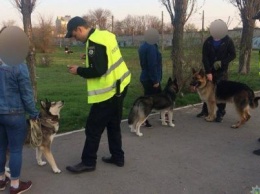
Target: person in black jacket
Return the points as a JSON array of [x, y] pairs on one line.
[[218, 51]]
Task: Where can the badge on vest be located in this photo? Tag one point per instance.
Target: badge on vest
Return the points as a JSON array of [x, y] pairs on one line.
[[91, 51]]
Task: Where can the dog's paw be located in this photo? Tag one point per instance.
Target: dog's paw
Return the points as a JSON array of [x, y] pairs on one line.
[[209, 119], [171, 125], [235, 126], [139, 134], [132, 130], [56, 171], [164, 123], [41, 163]]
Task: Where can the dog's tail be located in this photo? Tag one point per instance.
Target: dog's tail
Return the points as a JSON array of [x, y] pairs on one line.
[[133, 114], [253, 101], [136, 111]]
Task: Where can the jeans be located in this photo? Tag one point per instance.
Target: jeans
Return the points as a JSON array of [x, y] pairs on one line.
[[13, 131]]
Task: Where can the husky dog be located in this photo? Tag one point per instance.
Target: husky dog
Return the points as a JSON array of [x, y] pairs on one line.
[[240, 94], [49, 121], [44, 130], [163, 102]]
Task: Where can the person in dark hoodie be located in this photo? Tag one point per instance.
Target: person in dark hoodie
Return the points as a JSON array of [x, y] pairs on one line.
[[151, 65], [218, 51]]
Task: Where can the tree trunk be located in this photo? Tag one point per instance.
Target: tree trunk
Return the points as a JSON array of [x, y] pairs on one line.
[[177, 40], [245, 48], [26, 11]]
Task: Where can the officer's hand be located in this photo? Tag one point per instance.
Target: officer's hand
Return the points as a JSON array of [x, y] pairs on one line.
[[73, 69]]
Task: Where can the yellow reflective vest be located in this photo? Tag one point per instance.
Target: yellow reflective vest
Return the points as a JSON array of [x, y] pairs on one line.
[[104, 87]]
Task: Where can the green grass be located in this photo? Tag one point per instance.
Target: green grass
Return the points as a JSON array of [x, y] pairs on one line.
[[55, 83]]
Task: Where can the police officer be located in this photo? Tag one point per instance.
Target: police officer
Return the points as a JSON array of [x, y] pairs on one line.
[[107, 79]]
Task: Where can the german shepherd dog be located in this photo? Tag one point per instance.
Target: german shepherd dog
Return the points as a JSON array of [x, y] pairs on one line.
[[143, 106], [44, 130], [240, 94]]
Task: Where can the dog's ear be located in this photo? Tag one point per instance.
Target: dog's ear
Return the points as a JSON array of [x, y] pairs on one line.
[[202, 72], [169, 80], [175, 81], [176, 86]]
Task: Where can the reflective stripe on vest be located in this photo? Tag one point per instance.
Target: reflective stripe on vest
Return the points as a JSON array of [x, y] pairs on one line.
[[95, 92]]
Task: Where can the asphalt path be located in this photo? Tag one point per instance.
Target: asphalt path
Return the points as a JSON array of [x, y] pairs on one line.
[[195, 157]]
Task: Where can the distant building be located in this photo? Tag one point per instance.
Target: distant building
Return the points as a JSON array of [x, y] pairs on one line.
[[61, 25]]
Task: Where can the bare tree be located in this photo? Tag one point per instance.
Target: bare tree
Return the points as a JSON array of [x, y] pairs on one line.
[[100, 18], [118, 28], [26, 7], [190, 28], [43, 35], [247, 9], [180, 11], [130, 24]]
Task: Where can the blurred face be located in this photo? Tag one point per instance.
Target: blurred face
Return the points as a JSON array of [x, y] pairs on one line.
[[218, 29]]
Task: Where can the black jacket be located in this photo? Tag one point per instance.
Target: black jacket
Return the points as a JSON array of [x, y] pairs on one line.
[[98, 61], [225, 53]]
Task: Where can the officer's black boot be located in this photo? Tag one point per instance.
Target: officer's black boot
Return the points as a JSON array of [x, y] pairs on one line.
[[204, 111]]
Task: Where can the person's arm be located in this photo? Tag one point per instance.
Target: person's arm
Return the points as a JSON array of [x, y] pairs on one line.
[[231, 54], [152, 65], [98, 63], [26, 91], [205, 58]]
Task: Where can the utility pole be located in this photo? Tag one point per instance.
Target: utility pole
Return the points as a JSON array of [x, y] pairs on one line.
[[162, 33], [112, 24], [202, 27]]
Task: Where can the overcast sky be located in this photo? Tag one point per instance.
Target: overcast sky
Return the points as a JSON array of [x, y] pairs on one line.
[[213, 9]]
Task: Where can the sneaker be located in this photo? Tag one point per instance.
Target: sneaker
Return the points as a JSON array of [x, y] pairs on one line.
[[3, 183], [23, 187]]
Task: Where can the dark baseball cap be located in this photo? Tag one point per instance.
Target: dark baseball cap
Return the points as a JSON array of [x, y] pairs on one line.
[[73, 24]]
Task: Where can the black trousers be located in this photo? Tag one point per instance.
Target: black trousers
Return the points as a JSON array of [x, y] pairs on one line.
[[107, 114]]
